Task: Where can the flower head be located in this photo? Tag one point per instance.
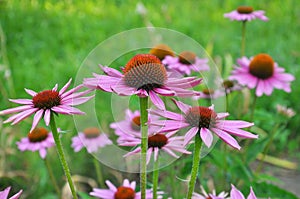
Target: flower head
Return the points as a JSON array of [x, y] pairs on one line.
[[283, 110], [213, 195], [91, 138], [4, 194], [161, 51], [125, 191], [45, 102], [144, 75], [202, 121], [210, 94], [236, 194], [246, 13], [262, 73], [39, 139], [185, 63]]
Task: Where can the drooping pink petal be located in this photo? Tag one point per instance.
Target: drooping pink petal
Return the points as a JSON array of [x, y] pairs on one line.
[[226, 138], [77, 101], [111, 71], [206, 136], [43, 153], [166, 114], [190, 134], [30, 92], [55, 87], [240, 133], [4, 194], [37, 117], [156, 100], [16, 109], [251, 194], [17, 195], [23, 115], [234, 124], [148, 155], [110, 185], [47, 115], [164, 91]]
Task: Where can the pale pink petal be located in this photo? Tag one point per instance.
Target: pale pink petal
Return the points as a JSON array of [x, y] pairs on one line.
[[17, 195], [47, 116], [148, 155], [251, 194], [234, 124], [21, 101], [236, 194], [164, 91], [111, 71], [30, 92], [24, 115], [156, 150], [110, 185], [156, 100], [190, 134], [16, 109], [167, 114], [226, 138], [170, 152], [55, 87], [240, 133], [183, 107], [65, 87], [77, 101], [37, 117], [206, 136], [4, 194], [43, 153]]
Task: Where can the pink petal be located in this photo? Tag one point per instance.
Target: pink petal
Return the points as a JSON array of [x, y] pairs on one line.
[[16, 109], [227, 138], [55, 87], [77, 101], [190, 134], [236, 194], [111, 71], [164, 91], [21, 101], [47, 117], [167, 114], [4, 194], [110, 186], [65, 87], [234, 124], [17, 195], [156, 150], [149, 153], [30, 92], [251, 194], [206, 136], [156, 100], [183, 107], [23, 115], [37, 117], [43, 153]]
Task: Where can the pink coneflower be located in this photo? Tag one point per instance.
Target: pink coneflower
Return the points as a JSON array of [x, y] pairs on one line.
[[126, 191], [4, 194], [203, 121], [210, 94], [91, 138], [156, 142], [262, 73], [45, 102], [213, 195], [144, 75], [236, 194], [246, 13], [39, 139], [185, 63]]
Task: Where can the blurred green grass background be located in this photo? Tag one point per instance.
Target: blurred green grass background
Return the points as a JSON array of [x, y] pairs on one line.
[[46, 42]]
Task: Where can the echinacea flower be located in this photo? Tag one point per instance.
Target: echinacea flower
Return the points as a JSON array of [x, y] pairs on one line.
[[144, 75], [230, 86], [156, 142], [186, 62], [5, 192], [246, 13], [45, 102], [236, 194], [262, 73], [213, 195], [202, 121], [161, 51], [91, 138], [126, 191], [210, 94], [39, 139]]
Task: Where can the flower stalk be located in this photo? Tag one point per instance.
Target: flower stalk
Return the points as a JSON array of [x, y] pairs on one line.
[[52, 178], [61, 155], [99, 172], [155, 178], [195, 166], [144, 145], [243, 38]]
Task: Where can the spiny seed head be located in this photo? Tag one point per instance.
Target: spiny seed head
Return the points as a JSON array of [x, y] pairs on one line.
[[161, 51], [201, 117], [227, 84], [37, 135], [124, 193], [187, 57], [91, 132], [207, 91], [145, 71], [262, 66], [158, 140], [136, 123], [46, 99], [244, 9]]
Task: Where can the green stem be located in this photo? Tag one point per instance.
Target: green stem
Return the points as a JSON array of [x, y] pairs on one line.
[[195, 166], [144, 145], [253, 107], [61, 155], [52, 178], [99, 172], [225, 165], [243, 38], [266, 148], [155, 178]]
